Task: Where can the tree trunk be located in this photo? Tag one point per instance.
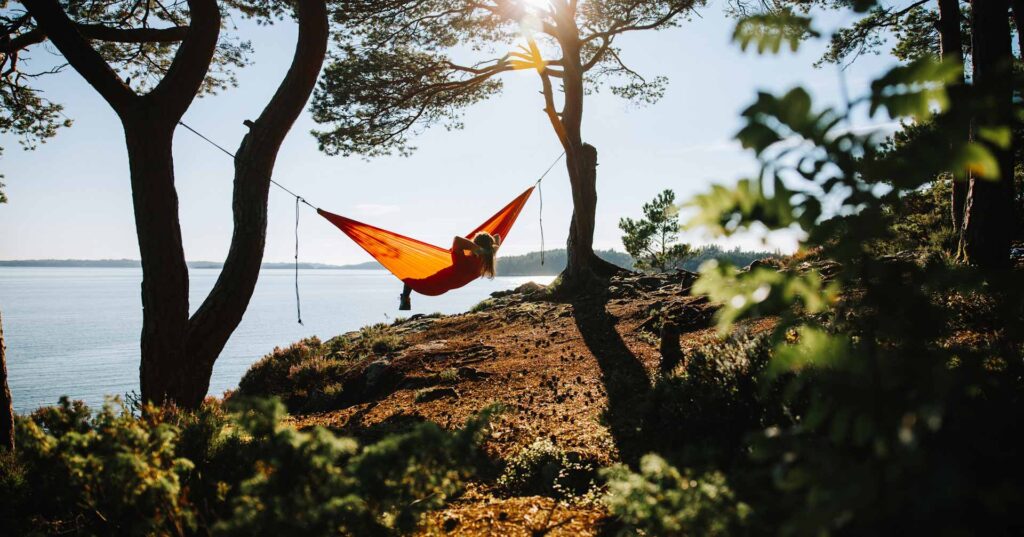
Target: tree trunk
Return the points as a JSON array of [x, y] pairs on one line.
[[950, 46], [989, 215], [6, 404], [583, 267], [219, 315], [164, 371], [580, 244]]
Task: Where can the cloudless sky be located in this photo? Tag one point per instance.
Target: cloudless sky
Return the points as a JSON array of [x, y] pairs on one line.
[[71, 198]]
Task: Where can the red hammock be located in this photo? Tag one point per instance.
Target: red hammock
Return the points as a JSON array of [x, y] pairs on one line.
[[427, 269]]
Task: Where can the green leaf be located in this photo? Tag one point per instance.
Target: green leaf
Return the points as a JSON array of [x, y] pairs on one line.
[[769, 31], [998, 136], [914, 90], [978, 160], [814, 348]]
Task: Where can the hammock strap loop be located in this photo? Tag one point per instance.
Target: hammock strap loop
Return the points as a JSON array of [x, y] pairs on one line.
[[298, 302], [540, 198]]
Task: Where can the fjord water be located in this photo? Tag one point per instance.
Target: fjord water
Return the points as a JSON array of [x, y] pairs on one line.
[[75, 331]]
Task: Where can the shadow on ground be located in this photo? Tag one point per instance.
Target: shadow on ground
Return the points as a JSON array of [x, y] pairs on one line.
[[624, 377]]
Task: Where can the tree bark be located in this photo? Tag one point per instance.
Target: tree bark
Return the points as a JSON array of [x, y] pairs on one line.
[[583, 267], [178, 353], [6, 404], [988, 221], [164, 272], [219, 315], [950, 47]]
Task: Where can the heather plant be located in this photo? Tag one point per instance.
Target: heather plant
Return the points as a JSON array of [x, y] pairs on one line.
[[311, 375], [704, 410], [97, 474]]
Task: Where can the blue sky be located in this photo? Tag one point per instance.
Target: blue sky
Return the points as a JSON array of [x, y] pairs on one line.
[[70, 198]]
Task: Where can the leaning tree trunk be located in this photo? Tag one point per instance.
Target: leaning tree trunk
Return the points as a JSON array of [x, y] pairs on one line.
[[219, 315], [6, 404], [951, 49], [989, 215]]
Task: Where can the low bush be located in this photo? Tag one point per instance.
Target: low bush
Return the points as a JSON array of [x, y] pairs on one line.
[[703, 410], [221, 472], [661, 500], [544, 469], [310, 375], [269, 375]]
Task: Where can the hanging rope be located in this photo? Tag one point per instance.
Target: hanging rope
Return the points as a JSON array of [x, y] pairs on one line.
[[298, 303], [540, 198], [298, 199]]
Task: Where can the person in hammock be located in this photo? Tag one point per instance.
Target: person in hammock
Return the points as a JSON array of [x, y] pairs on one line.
[[483, 246]]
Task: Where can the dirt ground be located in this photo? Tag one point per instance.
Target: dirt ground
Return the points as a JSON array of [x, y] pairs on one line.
[[574, 372]]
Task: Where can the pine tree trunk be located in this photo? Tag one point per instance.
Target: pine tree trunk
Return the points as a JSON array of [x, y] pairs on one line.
[[6, 404], [950, 46], [583, 268], [164, 371], [989, 215], [219, 315]]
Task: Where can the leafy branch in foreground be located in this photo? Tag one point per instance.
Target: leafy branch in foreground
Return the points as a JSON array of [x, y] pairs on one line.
[[882, 391]]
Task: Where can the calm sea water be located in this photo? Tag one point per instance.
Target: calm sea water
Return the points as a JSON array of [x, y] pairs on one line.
[[75, 331]]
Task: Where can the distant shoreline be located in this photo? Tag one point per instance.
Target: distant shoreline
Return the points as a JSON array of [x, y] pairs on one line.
[[548, 263]]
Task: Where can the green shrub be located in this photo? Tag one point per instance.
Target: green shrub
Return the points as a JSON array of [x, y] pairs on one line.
[[449, 375], [108, 473], [661, 500], [702, 412], [374, 340], [316, 483], [902, 421], [269, 375], [543, 468], [217, 472], [310, 375], [483, 305]]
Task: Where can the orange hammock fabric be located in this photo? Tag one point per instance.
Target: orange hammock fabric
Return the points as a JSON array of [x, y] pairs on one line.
[[427, 269]]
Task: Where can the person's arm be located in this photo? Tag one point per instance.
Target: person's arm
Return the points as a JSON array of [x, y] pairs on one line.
[[461, 244]]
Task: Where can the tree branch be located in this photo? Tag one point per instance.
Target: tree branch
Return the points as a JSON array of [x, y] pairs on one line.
[[100, 32], [620, 29], [606, 43], [64, 35], [191, 63], [549, 108]]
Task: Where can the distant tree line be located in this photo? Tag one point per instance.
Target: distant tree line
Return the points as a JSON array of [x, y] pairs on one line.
[[554, 260]]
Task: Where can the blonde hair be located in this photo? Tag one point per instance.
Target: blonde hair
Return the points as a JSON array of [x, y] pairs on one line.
[[489, 244]]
